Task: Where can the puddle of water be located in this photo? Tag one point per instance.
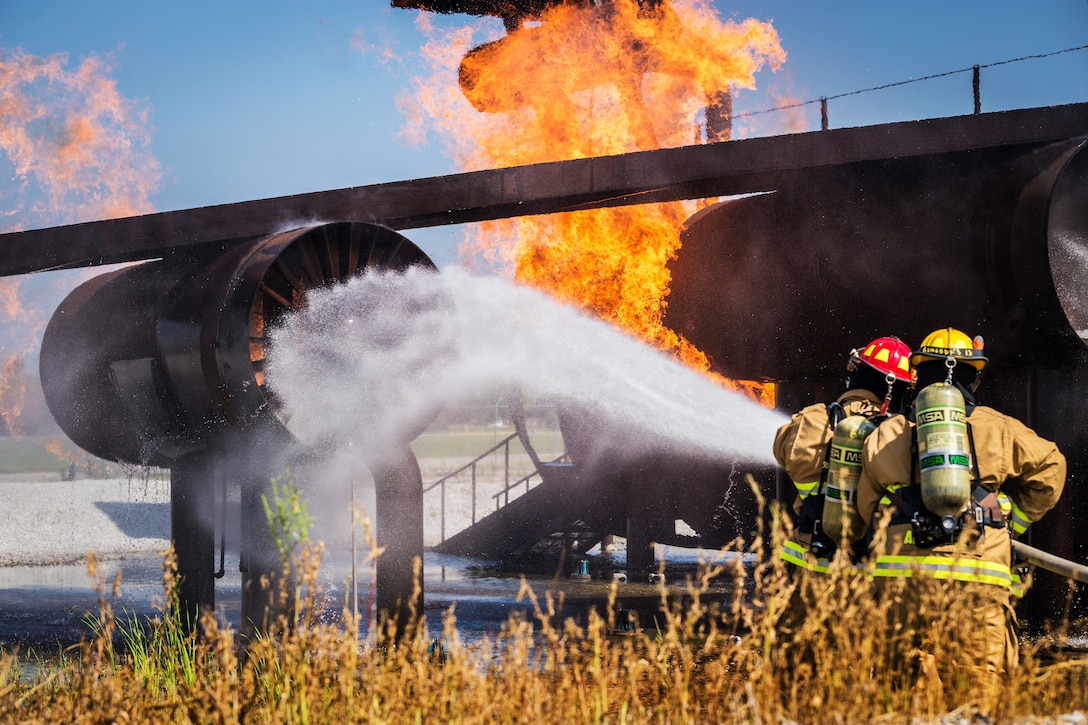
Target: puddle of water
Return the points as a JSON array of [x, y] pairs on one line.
[[43, 607]]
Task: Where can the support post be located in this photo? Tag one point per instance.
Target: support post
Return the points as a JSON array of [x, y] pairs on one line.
[[192, 530], [399, 529], [976, 88], [719, 117], [640, 546], [260, 562]]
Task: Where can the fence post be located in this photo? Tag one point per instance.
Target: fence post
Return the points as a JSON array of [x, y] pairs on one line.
[[976, 86]]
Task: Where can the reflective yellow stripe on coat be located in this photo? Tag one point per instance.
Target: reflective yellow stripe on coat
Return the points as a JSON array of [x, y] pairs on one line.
[[798, 555], [944, 567], [804, 490], [1019, 586], [1020, 520]]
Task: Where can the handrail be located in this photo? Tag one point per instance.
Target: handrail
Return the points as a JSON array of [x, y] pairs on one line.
[[505, 492], [471, 467], [504, 442]]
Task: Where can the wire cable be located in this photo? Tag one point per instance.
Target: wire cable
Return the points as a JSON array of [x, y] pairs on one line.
[[824, 99]]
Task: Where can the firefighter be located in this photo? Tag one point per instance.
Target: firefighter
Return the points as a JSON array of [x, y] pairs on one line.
[[878, 379], [922, 460]]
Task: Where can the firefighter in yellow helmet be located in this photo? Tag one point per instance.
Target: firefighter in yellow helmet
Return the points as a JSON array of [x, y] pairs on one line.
[[878, 379], [938, 472]]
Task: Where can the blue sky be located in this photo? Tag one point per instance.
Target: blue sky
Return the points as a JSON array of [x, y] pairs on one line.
[[251, 100]]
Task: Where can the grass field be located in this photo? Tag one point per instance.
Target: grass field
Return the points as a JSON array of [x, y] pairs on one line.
[[702, 661], [439, 451], [30, 455]]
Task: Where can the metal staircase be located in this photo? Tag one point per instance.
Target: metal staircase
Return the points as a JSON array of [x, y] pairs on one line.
[[547, 512]]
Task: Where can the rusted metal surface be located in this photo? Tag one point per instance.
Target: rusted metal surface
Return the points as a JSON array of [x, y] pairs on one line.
[[691, 172]]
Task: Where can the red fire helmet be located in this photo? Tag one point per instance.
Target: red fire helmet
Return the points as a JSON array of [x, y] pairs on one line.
[[888, 355]]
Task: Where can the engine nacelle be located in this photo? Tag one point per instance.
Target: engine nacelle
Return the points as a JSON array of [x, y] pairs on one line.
[[783, 285], [155, 362]]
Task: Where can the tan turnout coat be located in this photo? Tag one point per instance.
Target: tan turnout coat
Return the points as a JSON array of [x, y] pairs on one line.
[[800, 447], [1011, 457]]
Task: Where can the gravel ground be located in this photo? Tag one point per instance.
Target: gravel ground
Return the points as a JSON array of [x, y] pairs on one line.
[[47, 522], [58, 522]]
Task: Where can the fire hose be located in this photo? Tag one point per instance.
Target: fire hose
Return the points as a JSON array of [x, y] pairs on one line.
[[1043, 560]]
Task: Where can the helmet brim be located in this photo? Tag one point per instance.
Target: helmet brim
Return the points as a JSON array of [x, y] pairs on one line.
[[978, 362]]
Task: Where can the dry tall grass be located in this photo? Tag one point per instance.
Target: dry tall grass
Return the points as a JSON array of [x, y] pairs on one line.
[[750, 659]]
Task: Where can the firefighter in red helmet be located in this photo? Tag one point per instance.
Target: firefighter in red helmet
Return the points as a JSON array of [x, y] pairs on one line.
[[937, 474], [877, 383]]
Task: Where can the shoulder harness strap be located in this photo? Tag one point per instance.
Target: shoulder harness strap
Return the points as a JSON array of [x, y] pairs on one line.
[[835, 414]]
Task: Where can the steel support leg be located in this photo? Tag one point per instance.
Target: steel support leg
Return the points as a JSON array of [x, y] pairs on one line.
[[640, 547], [260, 561], [192, 529], [399, 528]]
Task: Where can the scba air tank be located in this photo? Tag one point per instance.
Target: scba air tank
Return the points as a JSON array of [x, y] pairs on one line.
[[944, 457], [840, 516]]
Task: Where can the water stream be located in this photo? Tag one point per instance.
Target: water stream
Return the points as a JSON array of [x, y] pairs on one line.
[[367, 362]]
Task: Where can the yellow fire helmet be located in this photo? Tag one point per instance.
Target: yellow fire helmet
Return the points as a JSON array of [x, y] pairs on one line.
[[948, 341]]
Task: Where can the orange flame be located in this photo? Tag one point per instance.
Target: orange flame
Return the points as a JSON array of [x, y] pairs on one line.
[[12, 387], [585, 82], [55, 447], [76, 150]]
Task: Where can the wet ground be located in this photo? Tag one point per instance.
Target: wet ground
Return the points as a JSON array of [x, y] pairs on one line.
[[44, 607], [48, 604]]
